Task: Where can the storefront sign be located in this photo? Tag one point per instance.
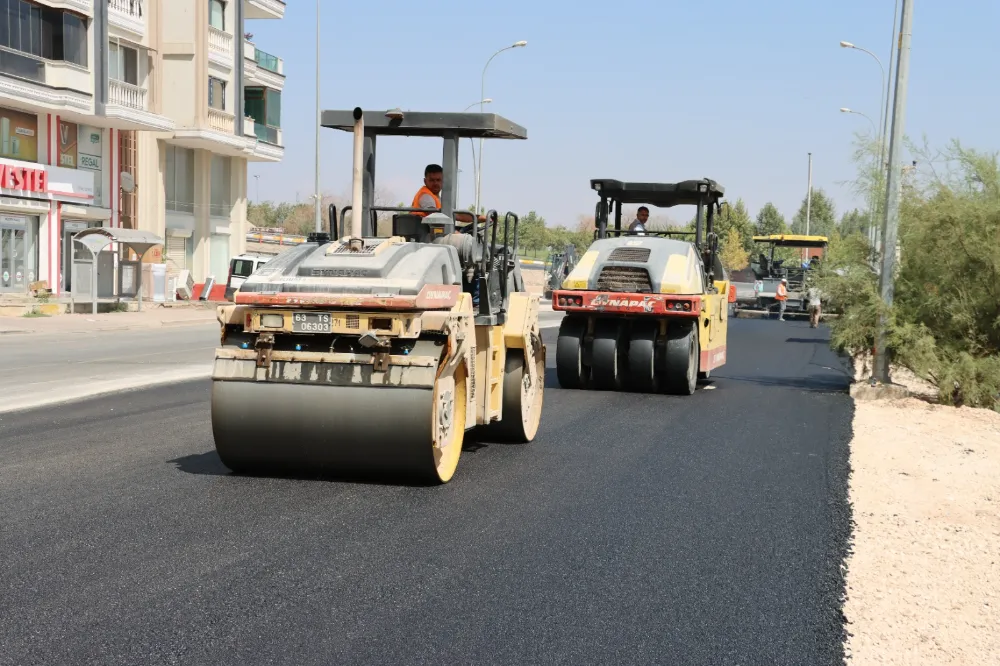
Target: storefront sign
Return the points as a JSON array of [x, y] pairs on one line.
[[18, 135], [40, 181], [68, 135], [90, 148]]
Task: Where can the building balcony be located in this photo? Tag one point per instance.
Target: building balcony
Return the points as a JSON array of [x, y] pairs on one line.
[[257, 142], [85, 7], [262, 68], [128, 108], [45, 85], [220, 47], [127, 15], [264, 9]]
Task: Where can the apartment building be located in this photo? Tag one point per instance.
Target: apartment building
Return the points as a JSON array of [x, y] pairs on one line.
[[223, 92], [130, 113]]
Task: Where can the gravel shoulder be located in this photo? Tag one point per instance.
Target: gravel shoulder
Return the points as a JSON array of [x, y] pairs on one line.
[[923, 581]]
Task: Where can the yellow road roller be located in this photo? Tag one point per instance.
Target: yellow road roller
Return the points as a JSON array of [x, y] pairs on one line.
[[364, 354]]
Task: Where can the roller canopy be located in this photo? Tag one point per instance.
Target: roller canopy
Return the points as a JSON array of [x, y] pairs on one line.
[[422, 123], [661, 195]]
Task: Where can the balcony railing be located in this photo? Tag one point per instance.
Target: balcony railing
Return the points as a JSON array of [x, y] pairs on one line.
[[220, 42], [268, 134], [127, 95], [269, 62], [221, 121], [126, 12]]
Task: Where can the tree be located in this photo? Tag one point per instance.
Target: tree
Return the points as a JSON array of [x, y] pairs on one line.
[[733, 254], [532, 234], [771, 221], [735, 217], [822, 216], [853, 222]]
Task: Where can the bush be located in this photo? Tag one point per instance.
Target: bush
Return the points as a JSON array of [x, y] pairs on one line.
[[945, 321]]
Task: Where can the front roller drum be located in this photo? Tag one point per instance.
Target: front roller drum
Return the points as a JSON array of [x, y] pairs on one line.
[[344, 431]]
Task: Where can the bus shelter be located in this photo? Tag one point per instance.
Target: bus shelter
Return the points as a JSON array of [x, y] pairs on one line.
[[94, 270]]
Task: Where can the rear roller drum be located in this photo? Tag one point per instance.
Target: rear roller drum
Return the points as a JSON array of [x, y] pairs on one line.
[[681, 359], [522, 400], [643, 376], [570, 368], [610, 359]]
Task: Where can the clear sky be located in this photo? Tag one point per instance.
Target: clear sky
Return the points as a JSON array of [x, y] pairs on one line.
[[651, 90]]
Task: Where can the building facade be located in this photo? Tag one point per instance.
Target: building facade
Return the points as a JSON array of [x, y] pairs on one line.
[[131, 113]]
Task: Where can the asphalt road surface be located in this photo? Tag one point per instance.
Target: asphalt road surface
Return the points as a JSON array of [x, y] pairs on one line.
[[636, 529]]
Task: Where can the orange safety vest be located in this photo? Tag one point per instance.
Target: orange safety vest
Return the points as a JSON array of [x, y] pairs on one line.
[[416, 200], [782, 292]]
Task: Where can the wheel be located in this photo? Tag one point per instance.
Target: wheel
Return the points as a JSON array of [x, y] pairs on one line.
[[522, 400], [642, 357], [681, 371], [609, 356], [570, 368], [449, 424]]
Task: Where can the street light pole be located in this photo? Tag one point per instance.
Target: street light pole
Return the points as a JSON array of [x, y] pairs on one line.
[[879, 138], [809, 192], [482, 95], [472, 144], [872, 195], [891, 224], [319, 200]]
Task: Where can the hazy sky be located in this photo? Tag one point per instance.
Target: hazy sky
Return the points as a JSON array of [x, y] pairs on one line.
[[650, 90]]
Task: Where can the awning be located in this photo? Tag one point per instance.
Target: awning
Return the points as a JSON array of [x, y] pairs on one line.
[[97, 238]]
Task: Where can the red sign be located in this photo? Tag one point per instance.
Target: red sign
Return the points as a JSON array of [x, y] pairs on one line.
[[21, 178]]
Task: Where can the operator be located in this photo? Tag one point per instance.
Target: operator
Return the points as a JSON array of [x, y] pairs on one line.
[[429, 196], [782, 296], [638, 226]]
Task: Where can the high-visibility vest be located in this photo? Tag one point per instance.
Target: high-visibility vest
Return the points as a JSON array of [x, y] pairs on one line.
[[782, 292], [416, 200]]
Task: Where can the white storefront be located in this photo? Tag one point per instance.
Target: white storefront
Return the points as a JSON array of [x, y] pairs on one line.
[[34, 198]]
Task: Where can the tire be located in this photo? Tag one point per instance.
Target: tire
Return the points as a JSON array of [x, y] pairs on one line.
[[642, 369], [609, 359], [570, 368], [522, 404], [681, 371]]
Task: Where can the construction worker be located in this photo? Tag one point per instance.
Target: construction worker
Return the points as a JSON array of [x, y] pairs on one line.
[[782, 296], [813, 297], [429, 196], [638, 226]]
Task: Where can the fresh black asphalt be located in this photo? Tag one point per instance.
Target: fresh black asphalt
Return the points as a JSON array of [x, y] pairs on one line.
[[636, 529]]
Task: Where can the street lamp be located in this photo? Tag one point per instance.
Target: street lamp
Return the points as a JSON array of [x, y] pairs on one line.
[[482, 95], [883, 112], [846, 110], [872, 236], [472, 144]]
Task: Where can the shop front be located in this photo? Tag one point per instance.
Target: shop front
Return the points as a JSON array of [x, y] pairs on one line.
[[32, 197]]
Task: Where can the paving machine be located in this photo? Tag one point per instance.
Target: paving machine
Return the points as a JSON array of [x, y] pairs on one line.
[[358, 354], [796, 267], [646, 312]]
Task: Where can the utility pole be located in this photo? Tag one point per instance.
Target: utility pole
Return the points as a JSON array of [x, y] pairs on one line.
[[319, 119], [809, 193], [890, 226]]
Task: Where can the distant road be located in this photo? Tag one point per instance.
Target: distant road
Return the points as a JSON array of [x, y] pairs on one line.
[[636, 529]]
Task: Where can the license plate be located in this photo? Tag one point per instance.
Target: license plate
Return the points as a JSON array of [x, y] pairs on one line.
[[312, 322]]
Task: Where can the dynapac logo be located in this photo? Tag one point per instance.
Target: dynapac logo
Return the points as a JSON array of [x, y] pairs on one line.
[[646, 305]]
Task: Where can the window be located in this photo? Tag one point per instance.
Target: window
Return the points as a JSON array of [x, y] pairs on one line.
[[216, 93], [179, 178], [221, 186], [123, 63], [43, 32], [216, 14], [264, 106]]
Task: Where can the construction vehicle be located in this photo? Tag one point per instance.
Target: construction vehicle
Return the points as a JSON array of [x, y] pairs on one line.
[[796, 267], [557, 267], [354, 354], [646, 312]]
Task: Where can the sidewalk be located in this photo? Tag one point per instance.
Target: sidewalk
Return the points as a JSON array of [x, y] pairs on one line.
[[153, 315]]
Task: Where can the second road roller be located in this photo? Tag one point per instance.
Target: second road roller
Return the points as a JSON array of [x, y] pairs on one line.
[[367, 353]]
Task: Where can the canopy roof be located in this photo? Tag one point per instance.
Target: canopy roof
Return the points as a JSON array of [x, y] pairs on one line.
[[97, 238], [661, 195], [424, 123]]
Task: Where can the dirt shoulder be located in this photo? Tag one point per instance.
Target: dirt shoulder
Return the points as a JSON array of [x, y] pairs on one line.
[[923, 582]]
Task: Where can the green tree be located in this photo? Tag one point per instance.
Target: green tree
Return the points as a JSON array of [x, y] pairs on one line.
[[822, 216], [736, 217], [532, 233], [733, 254], [770, 221], [853, 222]]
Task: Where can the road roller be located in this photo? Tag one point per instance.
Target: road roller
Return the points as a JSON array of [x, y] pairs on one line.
[[646, 311], [360, 353]]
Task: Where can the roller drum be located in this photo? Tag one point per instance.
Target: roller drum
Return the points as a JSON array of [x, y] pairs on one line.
[[265, 427]]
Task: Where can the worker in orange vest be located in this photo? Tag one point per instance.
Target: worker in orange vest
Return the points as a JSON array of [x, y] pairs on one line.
[[782, 296], [429, 196]]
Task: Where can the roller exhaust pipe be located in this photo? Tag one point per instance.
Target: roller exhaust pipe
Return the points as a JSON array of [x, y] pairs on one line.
[[357, 214]]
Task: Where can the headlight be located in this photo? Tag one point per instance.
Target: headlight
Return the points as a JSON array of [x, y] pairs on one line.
[[272, 321]]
